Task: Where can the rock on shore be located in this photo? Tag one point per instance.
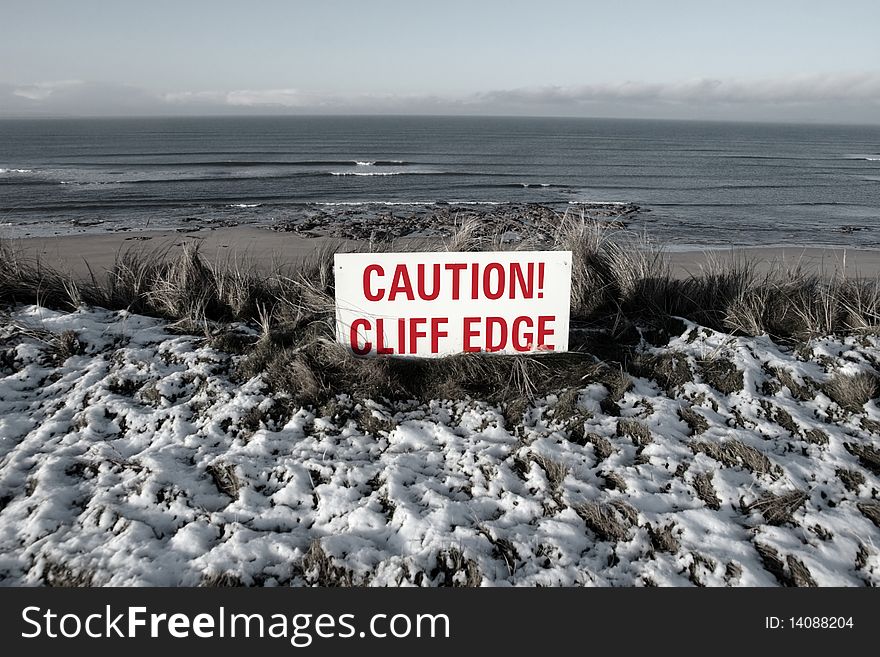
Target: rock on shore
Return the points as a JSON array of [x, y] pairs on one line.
[[384, 222]]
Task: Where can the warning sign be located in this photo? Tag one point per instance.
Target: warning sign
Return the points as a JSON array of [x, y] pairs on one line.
[[436, 304]]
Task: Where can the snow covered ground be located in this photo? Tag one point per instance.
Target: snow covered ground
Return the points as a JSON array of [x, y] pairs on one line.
[[129, 455]]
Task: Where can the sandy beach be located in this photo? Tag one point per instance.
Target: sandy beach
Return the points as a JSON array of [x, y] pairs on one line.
[[79, 254]]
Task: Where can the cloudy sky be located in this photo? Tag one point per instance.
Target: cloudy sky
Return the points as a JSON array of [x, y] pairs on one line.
[[775, 60]]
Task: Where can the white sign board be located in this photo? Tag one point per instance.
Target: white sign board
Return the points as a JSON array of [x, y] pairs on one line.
[[436, 304]]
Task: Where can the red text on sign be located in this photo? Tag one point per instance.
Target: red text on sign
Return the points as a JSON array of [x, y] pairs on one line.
[[420, 334], [513, 280]]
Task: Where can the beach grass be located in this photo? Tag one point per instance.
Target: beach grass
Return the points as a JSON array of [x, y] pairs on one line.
[[623, 293]]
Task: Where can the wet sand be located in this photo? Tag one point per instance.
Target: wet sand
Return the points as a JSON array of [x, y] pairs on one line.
[[78, 254]]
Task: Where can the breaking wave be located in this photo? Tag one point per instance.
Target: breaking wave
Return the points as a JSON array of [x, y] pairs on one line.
[[383, 173]]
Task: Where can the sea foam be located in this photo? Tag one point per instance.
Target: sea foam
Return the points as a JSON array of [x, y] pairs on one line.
[[378, 173]]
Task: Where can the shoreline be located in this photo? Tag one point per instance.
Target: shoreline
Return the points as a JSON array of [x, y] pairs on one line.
[[290, 240], [81, 254]]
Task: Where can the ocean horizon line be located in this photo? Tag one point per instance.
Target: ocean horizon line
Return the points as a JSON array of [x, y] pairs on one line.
[[392, 115]]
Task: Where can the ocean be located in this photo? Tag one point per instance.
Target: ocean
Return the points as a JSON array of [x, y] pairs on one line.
[[701, 184]]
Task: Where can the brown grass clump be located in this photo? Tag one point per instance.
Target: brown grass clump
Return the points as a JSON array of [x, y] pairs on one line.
[[781, 417], [609, 521], [871, 510], [554, 470], [618, 383], [852, 391], [800, 574], [635, 431], [613, 481], [663, 539], [778, 509], [220, 580], [871, 426], [30, 280], [605, 268], [456, 570], [669, 369], [602, 447], [224, 477], [868, 456], [735, 453], [696, 422], [804, 393], [62, 576], [319, 569], [852, 479], [795, 574], [66, 345], [566, 405], [722, 375], [706, 491], [816, 436]]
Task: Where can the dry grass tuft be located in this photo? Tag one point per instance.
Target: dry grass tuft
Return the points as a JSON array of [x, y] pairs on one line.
[[795, 574], [800, 574], [852, 391], [62, 576], [706, 491], [602, 447], [696, 422], [455, 569], [781, 417], [816, 436], [871, 510], [319, 569], [722, 375], [635, 431], [221, 580], [67, 345], [566, 405], [663, 539], [778, 509], [669, 369], [609, 521], [868, 456], [852, 479], [554, 470], [871, 426], [734, 453], [613, 481], [605, 268], [802, 392], [618, 383], [224, 477]]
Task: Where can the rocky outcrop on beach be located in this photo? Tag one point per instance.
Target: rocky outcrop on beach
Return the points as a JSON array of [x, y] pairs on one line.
[[384, 222]]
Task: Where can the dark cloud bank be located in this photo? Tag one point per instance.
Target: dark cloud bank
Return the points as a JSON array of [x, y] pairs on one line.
[[849, 98]]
